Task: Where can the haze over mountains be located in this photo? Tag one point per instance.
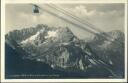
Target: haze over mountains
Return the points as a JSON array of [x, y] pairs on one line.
[[57, 51]]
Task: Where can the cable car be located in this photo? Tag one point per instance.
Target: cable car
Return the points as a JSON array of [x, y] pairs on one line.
[[35, 9]]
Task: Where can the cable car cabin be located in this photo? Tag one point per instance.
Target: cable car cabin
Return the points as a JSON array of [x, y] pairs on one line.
[[35, 9]]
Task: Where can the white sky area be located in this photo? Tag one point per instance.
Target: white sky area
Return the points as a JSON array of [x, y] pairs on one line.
[[106, 17]]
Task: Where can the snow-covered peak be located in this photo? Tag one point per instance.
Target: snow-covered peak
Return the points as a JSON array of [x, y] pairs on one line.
[[30, 38], [33, 37], [51, 34], [47, 35]]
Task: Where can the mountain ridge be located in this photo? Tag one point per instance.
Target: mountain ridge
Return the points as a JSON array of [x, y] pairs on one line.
[[62, 50]]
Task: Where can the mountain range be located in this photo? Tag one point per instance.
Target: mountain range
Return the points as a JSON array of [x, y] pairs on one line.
[[57, 51]]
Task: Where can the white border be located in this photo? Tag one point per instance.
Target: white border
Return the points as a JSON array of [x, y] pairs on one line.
[[65, 1], [58, 1], [2, 37], [126, 40]]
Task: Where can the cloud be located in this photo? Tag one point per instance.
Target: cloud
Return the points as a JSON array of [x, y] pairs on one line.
[[81, 10], [103, 17], [106, 17]]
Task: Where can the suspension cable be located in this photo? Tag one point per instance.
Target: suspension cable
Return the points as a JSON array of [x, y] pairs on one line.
[[104, 35]]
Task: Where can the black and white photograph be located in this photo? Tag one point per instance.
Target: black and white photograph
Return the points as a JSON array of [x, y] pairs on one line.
[[64, 41], [58, 41]]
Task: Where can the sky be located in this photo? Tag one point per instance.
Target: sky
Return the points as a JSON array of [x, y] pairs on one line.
[[106, 17]]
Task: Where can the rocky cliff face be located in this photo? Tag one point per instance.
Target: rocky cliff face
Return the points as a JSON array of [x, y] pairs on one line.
[[61, 49], [110, 51], [58, 47]]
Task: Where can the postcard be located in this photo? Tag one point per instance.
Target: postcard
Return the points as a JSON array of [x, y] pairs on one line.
[[64, 41]]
